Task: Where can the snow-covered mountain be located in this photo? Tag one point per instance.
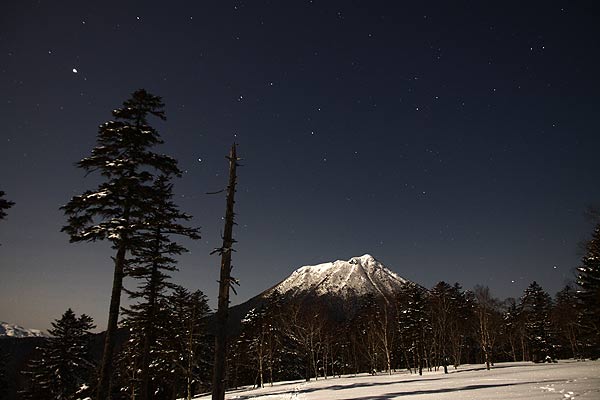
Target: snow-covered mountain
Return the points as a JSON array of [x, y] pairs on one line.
[[356, 277], [16, 331], [337, 286]]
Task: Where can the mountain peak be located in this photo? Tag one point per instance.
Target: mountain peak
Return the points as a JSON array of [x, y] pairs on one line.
[[354, 277], [365, 259]]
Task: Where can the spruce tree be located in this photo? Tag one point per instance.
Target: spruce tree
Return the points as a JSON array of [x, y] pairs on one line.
[[151, 264], [189, 344], [565, 318], [4, 205], [588, 279], [442, 310], [414, 324], [64, 369], [117, 209], [535, 309]]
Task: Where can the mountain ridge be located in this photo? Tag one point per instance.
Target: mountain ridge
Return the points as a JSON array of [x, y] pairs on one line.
[[17, 331]]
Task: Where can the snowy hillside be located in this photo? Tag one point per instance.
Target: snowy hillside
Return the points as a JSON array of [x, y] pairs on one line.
[[16, 331], [524, 380], [355, 277]]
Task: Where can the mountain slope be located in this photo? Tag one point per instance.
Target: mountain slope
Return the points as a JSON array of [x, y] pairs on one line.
[[356, 277], [337, 286], [16, 331]]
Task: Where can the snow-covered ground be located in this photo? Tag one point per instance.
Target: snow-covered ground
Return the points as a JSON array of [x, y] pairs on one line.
[[563, 380]]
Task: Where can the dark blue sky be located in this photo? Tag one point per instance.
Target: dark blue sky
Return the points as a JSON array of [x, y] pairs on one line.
[[453, 141]]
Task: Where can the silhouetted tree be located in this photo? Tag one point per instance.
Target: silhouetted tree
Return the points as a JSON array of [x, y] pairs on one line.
[[489, 318], [414, 325], [64, 369], [565, 319], [4, 205], [117, 209], [188, 343], [535, 309], [151, 264], [588, 279], [4, 381]]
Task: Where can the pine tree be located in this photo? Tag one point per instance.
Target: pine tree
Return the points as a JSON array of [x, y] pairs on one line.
[[442, 310], [151, 264], [188, 345], [461, 322], [117, 210], [414, 325], [513, 331], [565, 319], [588, 279], [64, 369], [4, 205], [535, 308]]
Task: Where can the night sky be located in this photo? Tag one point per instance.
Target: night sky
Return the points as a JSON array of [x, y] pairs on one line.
[[453, 141]]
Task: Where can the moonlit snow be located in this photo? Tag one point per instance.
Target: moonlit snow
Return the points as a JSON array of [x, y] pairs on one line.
[[357, 276], [522, 380]]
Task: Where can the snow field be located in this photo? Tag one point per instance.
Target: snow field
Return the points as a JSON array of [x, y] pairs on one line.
[[563, 380]]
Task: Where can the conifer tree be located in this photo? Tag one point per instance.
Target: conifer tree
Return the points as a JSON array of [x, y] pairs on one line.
[[414, 324], [4, 205], [535, 309], [461, 321], [588, 279], [188, 345], [151, 264], [117, 209], [565, 319], [64, 367], [442, 310]]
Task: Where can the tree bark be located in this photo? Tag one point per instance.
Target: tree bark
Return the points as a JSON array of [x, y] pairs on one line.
[[103, 391], [218, 389]]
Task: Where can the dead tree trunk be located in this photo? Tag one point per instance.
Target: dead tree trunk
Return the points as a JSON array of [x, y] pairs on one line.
[[218, 389]]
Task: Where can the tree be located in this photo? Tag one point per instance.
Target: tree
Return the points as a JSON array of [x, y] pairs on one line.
[[64, 367], [588, 279], [151, 264], [225, 282], [443, 309], [535, 310], [461, 322], [565, 319], [117, 210], [489, 319], [4, 205], [4, 381], [188, 344], [414, 324]]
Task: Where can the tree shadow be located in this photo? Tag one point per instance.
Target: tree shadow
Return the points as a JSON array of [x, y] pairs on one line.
[[442, 390], [364, 384]]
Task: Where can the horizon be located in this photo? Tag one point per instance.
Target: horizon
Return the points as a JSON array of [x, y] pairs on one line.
[[453, 141]]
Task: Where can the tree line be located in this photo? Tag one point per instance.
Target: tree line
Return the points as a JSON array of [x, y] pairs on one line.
[[419, 329]]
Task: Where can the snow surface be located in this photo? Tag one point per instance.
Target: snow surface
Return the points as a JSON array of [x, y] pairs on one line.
[[357, 276], [524, 380], [17, 331]]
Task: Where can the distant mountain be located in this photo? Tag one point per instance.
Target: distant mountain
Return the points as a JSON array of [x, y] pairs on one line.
[[358, 276], [16, 331], [337, 285]]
